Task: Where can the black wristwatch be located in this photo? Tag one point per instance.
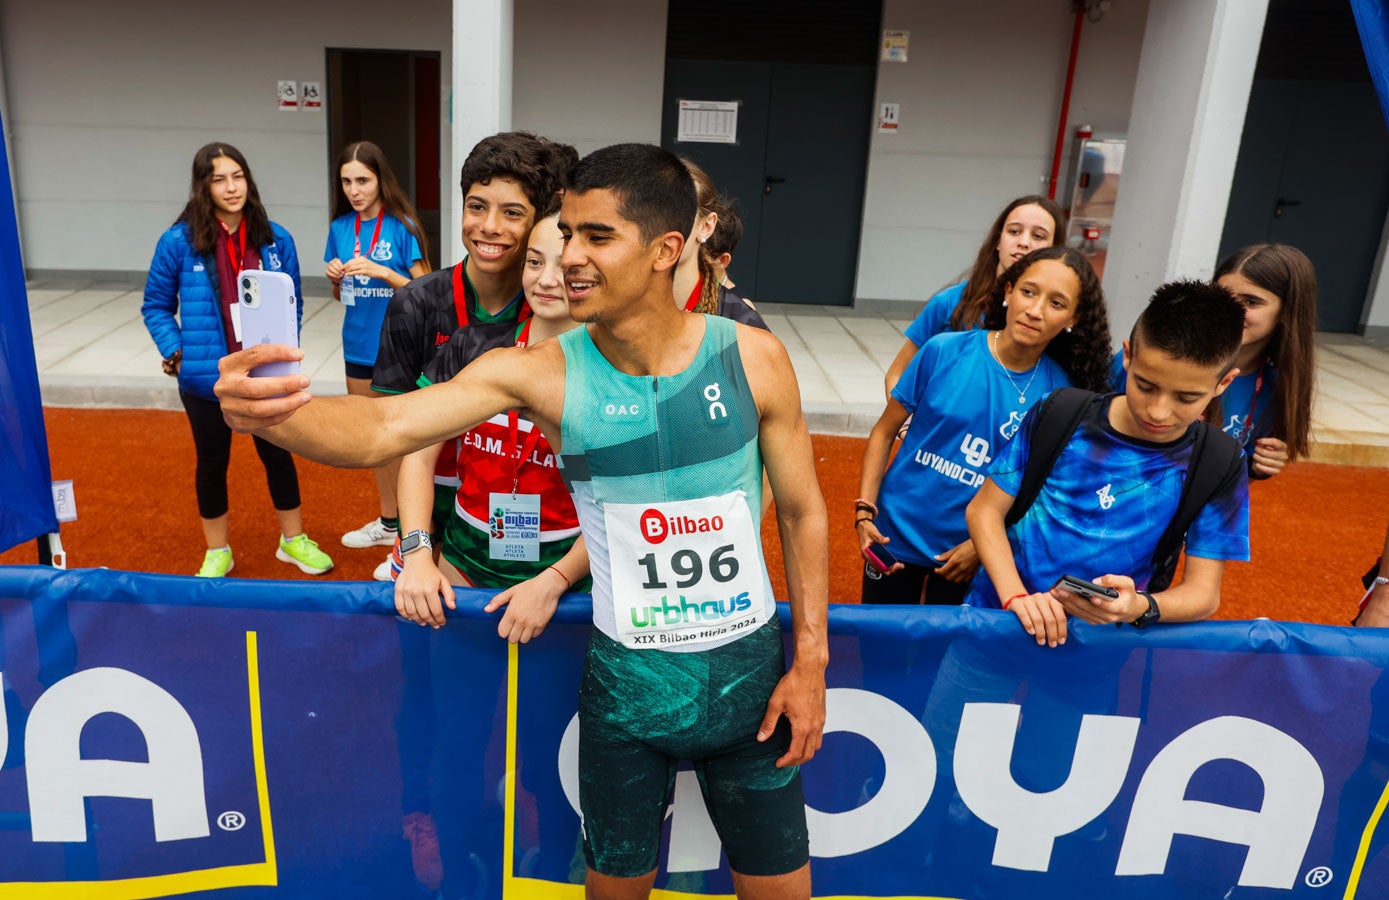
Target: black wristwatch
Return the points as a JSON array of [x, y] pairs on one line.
[[414, 541], [1152, 615]]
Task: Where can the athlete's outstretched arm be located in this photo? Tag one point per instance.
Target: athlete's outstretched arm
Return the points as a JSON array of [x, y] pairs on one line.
[[804, 527], [359, 432]]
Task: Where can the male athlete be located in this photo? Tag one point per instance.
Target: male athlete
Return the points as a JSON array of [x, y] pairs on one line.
[[663, 421]]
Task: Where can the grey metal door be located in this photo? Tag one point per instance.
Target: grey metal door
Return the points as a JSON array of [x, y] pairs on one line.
[[797, 171]]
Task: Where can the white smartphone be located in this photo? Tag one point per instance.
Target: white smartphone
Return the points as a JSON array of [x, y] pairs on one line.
[[269, 314]]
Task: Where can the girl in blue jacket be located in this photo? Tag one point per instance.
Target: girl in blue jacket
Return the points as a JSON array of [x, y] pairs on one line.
[[189, 294]]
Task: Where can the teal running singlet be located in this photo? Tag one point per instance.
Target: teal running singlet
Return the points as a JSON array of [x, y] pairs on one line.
[[666, 476]]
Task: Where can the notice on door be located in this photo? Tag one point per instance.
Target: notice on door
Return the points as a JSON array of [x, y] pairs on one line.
[[707, 122]]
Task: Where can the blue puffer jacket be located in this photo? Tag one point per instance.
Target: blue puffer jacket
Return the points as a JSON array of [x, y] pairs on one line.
[[183, 281]]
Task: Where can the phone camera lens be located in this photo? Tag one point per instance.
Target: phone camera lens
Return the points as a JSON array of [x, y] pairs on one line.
[[246, 296], [246, 283]]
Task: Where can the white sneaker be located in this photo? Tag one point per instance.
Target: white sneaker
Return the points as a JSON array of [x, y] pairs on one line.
[[372, 534], [383, 571]]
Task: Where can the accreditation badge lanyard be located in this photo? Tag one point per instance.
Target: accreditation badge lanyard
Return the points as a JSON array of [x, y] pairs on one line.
[[1249, 419], [347, 290], [375, 235], [695, 294], [460, 299], [231, 257], [514, 517]]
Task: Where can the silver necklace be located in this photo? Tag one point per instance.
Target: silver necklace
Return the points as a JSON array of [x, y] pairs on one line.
[[1022, 391]]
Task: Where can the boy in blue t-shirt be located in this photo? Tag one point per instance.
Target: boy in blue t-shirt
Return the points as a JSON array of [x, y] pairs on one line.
[[1115, 485]]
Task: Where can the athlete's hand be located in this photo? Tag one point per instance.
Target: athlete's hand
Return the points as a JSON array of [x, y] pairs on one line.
[[1042, 616], [334, 271], [249, 404], [529, 606], [419, 588], [959, 563], [1270, 456], [868, 535], [800, 697], [1102, 610]]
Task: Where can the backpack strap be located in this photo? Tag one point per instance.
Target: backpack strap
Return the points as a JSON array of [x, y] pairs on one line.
[[1216, 462], [1054, 421]]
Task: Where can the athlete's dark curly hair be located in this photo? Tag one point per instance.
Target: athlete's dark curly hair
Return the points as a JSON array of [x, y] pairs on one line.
[[1084, 351]]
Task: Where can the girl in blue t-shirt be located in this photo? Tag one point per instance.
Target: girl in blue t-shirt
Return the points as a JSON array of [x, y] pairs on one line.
[[1268, 407], [1028, 223], [375, 245], [966, 393]]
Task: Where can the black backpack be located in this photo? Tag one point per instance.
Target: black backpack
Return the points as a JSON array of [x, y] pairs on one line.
[[1216, 463]]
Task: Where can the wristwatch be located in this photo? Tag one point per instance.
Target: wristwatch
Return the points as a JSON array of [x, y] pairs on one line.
[[1152, 615], [414, 541]]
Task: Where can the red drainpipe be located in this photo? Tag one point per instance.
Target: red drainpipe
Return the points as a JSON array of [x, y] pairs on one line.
[[1066, 101]]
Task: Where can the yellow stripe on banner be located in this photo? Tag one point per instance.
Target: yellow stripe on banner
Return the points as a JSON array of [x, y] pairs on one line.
[[267, 832], [261, 874], [513, 662], [536, 889], [1368, 835]]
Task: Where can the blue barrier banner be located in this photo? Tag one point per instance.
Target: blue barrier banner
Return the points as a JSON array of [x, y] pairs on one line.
[[26, 500], [1372, 20], [170, 736]]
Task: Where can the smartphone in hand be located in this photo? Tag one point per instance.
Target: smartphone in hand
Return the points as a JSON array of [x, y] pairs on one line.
[[268, 314], [880, 557], [1085, 589]]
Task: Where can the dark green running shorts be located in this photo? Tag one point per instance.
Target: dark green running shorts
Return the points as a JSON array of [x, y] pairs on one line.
[[641, 711]]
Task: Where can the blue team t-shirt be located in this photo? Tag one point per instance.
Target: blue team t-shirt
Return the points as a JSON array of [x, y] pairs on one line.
[[934, 319], [1106, 503], [965, 408], [397, 250], [1243, 396]]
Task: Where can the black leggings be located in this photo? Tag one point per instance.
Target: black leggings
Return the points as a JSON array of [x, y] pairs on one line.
[[905, 586], [212, 439]]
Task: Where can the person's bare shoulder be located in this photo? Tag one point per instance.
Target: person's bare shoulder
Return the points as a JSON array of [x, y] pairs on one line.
[[767, 366]]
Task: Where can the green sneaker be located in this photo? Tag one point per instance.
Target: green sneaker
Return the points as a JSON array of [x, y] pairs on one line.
[[304, 553], [216, 564]]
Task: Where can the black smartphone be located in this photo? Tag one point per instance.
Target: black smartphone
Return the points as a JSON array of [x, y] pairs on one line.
[[880, 558], [1082, 588]]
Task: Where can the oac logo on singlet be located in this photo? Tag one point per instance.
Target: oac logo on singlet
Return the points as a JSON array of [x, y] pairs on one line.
[[656, 527]]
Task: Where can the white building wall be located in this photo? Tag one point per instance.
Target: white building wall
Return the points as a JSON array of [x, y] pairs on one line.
[[107, 103], [589, 76], [111, 100], [980, 95]]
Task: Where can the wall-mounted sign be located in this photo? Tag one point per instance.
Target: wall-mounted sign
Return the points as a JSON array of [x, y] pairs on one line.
[[287, 95], [889, 114], [312, 96], [707, 122], [895, 45]]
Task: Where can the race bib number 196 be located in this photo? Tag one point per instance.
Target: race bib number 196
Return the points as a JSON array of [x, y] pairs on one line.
[[684, 572]]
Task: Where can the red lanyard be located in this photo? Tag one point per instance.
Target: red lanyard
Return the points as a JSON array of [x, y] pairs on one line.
[[460, 299], [1249, 419], [231, 258], [523, 334], [357, 235], [691, 303], [523, 450]]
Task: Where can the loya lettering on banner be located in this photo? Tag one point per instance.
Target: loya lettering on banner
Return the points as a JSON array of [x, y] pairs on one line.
[[69, 762], [1028, 823], [60, 781]]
